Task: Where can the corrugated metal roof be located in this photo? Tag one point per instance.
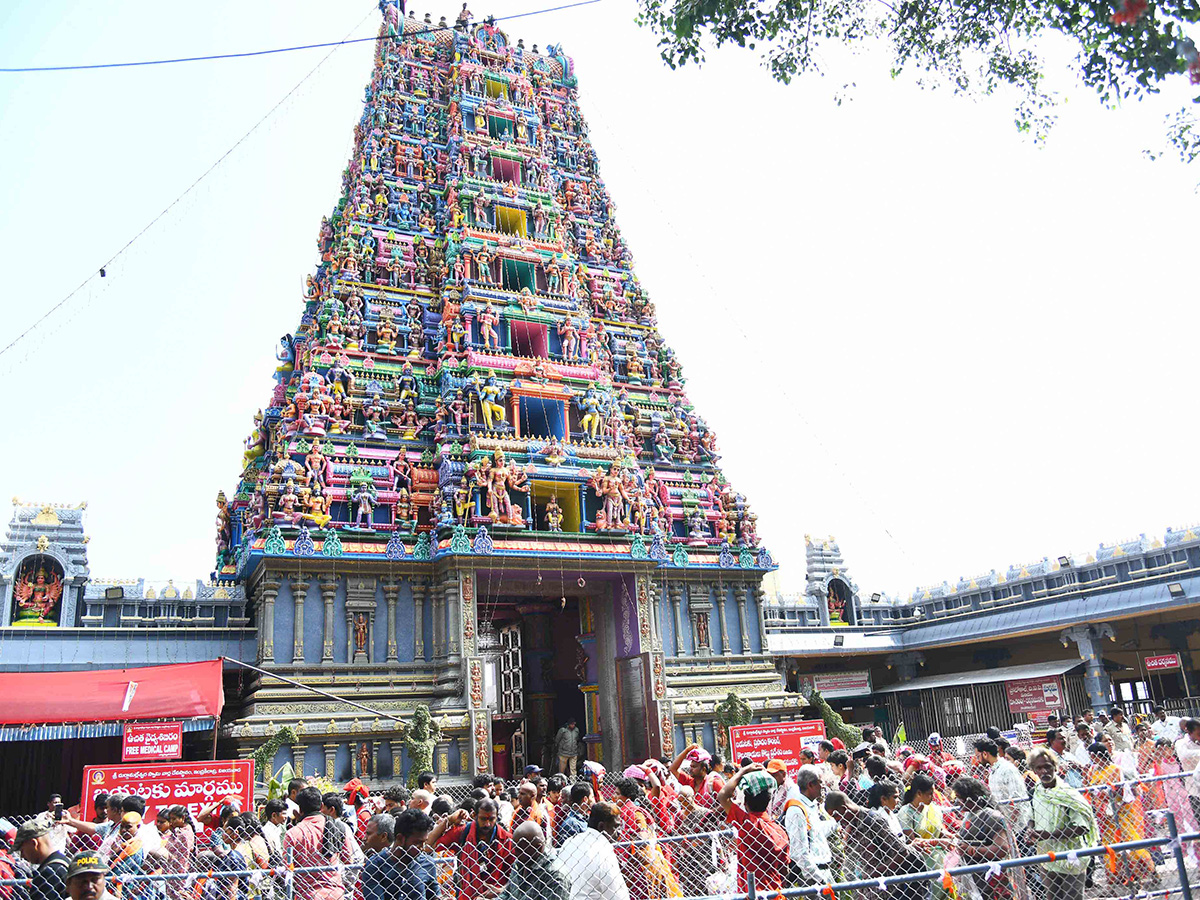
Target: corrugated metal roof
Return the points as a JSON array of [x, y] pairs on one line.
[[986, 676]]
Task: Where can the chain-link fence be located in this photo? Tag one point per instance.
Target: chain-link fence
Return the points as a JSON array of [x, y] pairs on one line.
[[871, 822], [740, 862], [914, 838]]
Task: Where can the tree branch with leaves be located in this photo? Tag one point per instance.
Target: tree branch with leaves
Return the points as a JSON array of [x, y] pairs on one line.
[[1124, 48]]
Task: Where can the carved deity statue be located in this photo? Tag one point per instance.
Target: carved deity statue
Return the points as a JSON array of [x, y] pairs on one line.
[[37, 591], [497, 477], [837, 609], [591, 409], [554, 514], [360, 633]]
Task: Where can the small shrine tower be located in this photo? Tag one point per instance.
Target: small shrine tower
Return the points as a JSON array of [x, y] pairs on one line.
[[828, 583], [43, 565]]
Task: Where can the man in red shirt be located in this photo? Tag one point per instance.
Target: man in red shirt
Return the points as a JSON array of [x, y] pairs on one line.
[[357, 794], [693, 768], [483, 848], [762, 844]]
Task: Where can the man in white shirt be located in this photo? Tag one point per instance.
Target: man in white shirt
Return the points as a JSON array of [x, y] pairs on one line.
[[275, 814], [808, 827], [1187, 748], [590, 860], [295, 786], [1005, 783], [1164, 726], [1084, 738]]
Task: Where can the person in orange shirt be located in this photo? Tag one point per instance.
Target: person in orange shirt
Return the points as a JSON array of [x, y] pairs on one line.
[[528, 809]]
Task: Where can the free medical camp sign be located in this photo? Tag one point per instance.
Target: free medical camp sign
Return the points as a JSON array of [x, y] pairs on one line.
[[155, 740]]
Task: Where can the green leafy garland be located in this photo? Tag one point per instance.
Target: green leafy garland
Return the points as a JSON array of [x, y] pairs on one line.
[[835, 725], [264, 756]]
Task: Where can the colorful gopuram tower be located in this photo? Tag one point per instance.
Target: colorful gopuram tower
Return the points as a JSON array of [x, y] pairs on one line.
[[479, 484]]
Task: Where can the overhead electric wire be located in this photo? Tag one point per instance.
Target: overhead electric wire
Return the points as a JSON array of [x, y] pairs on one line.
[[175, 202], [100, 270], [309, 687], [249, 53], [183, 59]]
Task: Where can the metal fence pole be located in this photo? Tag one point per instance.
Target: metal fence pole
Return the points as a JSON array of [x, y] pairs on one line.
[[289, 892], [750, 886], [1177, 851]]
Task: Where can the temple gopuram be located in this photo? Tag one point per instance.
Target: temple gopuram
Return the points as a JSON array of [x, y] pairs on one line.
[[479, 484]]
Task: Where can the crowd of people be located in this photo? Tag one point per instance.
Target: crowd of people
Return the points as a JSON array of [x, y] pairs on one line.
[[689, 826]]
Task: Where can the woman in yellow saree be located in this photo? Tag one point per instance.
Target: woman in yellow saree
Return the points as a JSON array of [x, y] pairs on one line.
[[1120, 817]]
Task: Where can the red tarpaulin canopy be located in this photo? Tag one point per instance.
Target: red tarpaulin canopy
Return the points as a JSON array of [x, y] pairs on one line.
[[179, 691]]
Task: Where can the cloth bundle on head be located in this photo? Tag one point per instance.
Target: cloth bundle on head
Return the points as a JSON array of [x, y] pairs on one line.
[[594, 772], [355, 788], [656, 766], [8, 831], [757, 783], [952, 771], [699, 754], [924, 764], [635, 772], [935, 739], [837, 744]]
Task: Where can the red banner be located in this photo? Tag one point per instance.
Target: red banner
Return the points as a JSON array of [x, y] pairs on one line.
[[1162, 663], [157, 740], [1034, 694], [178, 691], [190, 784], [775, 740]]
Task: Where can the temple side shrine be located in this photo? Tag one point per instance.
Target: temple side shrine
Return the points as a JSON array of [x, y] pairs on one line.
[[479, 483]]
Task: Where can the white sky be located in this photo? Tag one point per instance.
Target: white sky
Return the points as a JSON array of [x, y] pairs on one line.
[[910, 327]]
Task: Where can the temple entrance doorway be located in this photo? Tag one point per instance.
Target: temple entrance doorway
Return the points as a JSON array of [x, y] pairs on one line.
[[540, 671]]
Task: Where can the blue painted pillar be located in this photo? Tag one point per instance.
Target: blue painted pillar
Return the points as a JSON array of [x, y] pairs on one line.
[[1095, 677]]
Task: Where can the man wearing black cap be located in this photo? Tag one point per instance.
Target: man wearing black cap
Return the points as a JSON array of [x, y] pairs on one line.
[[34, 843], [85, 877]]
